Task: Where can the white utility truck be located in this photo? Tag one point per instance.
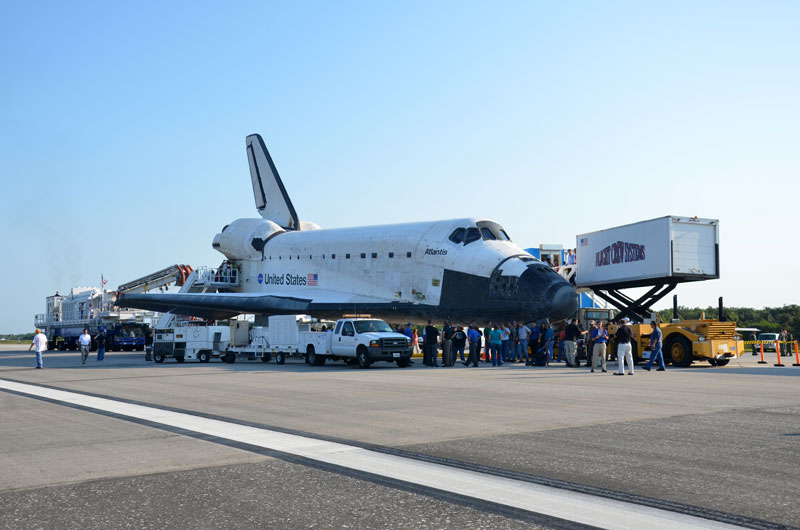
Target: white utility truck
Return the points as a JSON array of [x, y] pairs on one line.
[[190, 341], [355, 340]]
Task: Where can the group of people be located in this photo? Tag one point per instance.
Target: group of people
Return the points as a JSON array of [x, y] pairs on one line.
[[786, 338], [39, 342], [518, 342], [501, 342]]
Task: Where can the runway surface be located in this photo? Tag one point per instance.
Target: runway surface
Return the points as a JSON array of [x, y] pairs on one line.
[[129, 443]]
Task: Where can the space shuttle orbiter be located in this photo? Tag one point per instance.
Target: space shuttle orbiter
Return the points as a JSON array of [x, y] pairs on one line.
[[457, 269]]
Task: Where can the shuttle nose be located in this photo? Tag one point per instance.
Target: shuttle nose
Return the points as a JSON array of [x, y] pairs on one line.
[[565, 303]]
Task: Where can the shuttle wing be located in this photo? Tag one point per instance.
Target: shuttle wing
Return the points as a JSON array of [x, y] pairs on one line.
[[226, 305], [272, 201]]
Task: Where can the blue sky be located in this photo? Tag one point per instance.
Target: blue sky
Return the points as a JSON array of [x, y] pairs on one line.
[[122, 127]]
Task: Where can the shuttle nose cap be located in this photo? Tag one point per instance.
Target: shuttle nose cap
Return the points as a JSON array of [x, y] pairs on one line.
[[565, 303]]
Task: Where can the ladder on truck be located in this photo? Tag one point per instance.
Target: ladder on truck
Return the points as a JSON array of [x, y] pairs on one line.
[[177, 274]]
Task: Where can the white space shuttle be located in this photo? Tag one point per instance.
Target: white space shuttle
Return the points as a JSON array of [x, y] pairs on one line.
[[457, 269]]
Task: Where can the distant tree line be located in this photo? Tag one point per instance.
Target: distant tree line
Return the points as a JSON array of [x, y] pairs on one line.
[[768, 320], [18, 336]]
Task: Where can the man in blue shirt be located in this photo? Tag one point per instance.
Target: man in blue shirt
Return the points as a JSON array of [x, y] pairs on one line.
[[599, 339], [474, 337], [655, 349]]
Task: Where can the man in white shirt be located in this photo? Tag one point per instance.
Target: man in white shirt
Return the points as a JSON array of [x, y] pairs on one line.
[[40, 342], [85, 341]]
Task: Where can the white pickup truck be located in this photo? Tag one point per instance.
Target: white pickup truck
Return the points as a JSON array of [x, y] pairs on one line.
[[356, 340]]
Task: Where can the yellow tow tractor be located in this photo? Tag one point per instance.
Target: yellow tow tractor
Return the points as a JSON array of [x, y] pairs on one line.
[[688, 340]]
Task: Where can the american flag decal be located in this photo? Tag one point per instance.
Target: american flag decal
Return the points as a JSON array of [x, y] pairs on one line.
[[584, 241], [312, 280]]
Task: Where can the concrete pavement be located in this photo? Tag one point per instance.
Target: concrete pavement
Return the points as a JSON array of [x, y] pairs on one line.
[[721, 438]]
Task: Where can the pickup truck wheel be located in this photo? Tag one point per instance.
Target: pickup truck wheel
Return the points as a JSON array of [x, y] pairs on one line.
[[266, 357], [313, 358], [403, 363], [679, 350], [363, 357], [203, 357], [280, 357], [179, 358], [158, 357]]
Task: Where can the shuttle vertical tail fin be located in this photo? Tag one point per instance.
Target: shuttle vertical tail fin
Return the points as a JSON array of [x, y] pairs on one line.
[[272, 201]]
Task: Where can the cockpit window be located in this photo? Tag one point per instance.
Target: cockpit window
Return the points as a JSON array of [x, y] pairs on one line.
[[491, 230], [458, 235], [472, 235]]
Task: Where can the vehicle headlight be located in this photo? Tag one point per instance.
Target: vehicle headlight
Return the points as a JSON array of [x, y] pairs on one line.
[[701, 338], [374, 343]]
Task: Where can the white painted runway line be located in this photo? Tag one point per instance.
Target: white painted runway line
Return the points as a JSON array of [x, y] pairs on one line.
[[536, 498]]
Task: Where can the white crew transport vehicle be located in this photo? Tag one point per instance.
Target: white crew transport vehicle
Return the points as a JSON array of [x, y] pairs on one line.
[[190, 341], [354, 340]]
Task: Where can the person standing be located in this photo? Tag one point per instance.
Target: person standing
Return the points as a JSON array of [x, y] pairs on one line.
[[589, 346], [85, 341], [415, 342], [40, 343], [533, 341], [655, 348], [624, 352], [148, 345], [447, 344], [505, 341], [570, 257], [599, 341], [459, 343], [431, 341], [100, 339], [571, 334], [474, 337], [522, 343], [487, 331], [495, 344], [548, 342]]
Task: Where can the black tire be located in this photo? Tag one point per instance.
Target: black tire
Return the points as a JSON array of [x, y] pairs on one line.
[[403, 363], [723, 362], [158, 357], [280, 357], [229, 357], [265, 358], [204, 357], [179, 358], [362, 355], [314, 359], [679, 351]]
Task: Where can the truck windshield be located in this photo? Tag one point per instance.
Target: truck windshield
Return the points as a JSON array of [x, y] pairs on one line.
[[132, 331], [367, 326]]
